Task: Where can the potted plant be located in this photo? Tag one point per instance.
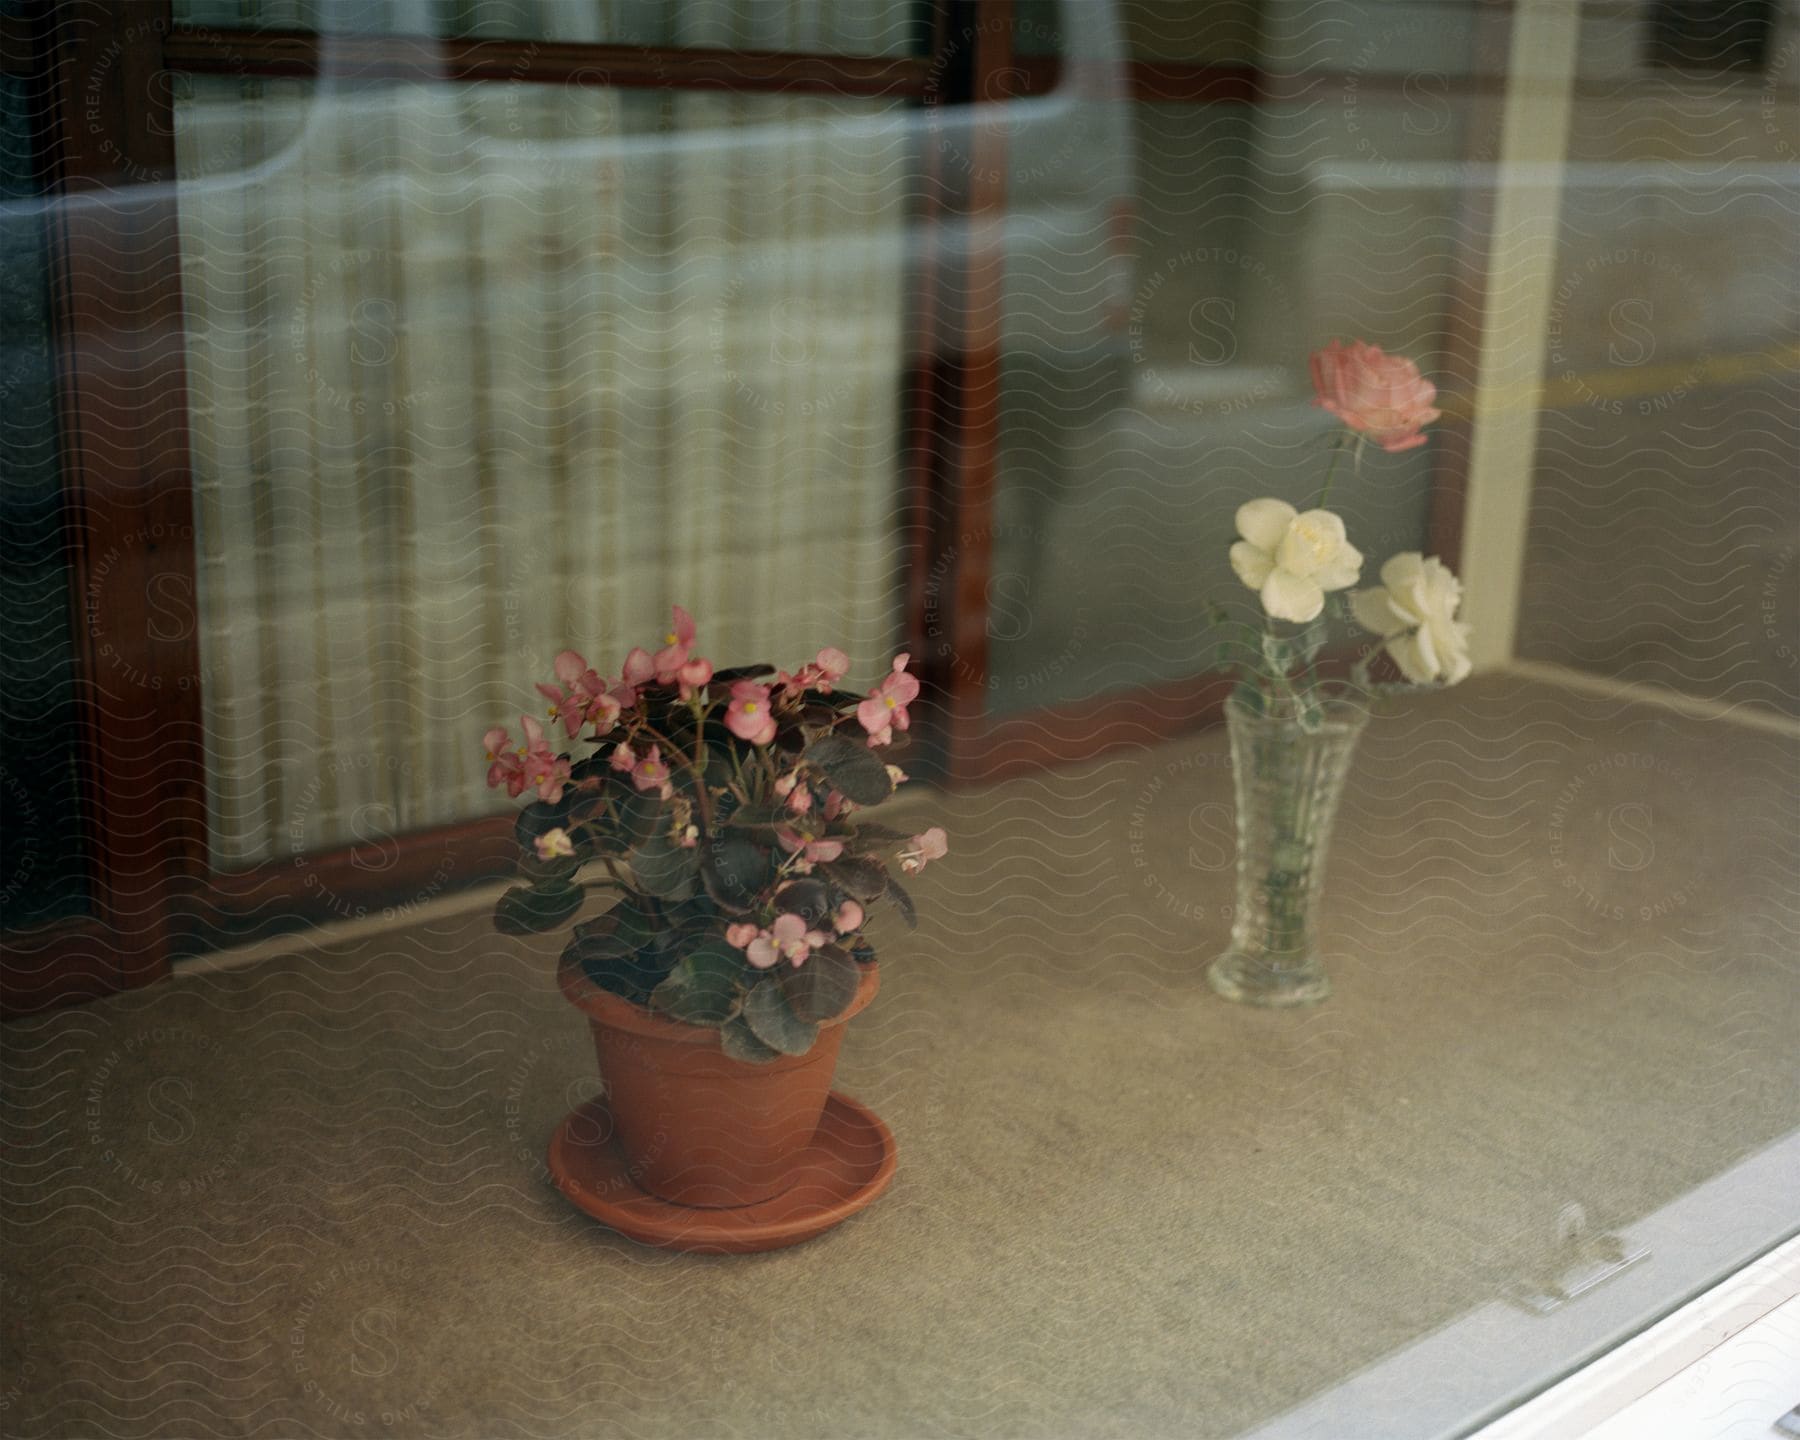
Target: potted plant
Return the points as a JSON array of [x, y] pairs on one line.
[[727, 813], [1293, 732]]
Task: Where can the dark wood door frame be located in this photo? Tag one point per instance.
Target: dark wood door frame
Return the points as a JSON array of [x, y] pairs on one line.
[[116, 295]]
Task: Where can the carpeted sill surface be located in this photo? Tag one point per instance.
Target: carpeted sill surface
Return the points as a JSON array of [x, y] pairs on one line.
[[308, 1197]]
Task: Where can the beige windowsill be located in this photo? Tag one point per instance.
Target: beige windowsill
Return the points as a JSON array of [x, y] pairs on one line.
[[1123, 1205]]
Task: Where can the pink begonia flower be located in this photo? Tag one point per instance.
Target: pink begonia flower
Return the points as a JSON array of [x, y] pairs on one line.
[[748, 716], [651, 774], [808, 852], [624, 696], [640, 670], [581, 696], [820, 673], [897, 775], [849, 916], [604, 710], [505, 764], [693, 675], [542, 767], [787, 938], [799, 797], [624, 758], [836, 804], [932, 845], [690, 837], [677, 644], [1381, 396], [884, 710], [741, 934], [553, 843]]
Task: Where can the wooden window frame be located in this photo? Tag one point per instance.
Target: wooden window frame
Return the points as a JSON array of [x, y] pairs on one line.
[[128, 532], [124, 419]]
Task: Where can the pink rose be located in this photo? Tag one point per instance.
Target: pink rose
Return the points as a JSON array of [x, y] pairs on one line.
[[1381, 396]]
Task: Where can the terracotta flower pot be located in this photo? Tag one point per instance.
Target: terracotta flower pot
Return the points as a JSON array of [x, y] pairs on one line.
[[697, 1127]]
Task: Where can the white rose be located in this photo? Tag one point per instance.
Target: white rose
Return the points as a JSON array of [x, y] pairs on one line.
[[1293, 559], [1414, 611]]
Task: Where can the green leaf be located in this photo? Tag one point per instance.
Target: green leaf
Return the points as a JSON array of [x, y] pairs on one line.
[[772, 1020], [738, 1041], [757, 817], [702, 989], [540, 817], [852, 768], [868, 830], [613, 965], [1278, 653], [1250, 697], [642, 814], [903, 903], [696, 913], [532, 909], [665, 868], [857, 875], [1309, 642], [736, 870], [558, 867], [740, 672], [628, 922], [824, 986], [809, 897]]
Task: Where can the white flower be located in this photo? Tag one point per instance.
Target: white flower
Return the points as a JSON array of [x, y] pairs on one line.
[[1293, 559], [1414, 611], [553, 843]]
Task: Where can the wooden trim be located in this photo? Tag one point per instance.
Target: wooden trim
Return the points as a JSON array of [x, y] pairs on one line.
[[414, 57], [1086, 729], [923, 446], [58, 964], [1190, 84], [958, 456], [1461, 334], [116, 300], [304, 54], [1081, 730], [350, 883]]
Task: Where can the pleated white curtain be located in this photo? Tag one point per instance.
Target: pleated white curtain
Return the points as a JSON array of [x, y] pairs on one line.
[[479, 371]]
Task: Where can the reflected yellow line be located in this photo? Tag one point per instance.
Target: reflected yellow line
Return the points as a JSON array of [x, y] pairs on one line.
[[1639, 382]]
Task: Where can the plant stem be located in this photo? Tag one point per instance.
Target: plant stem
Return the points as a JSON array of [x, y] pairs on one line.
[[1337, 454], [701, 793], [612, 869]]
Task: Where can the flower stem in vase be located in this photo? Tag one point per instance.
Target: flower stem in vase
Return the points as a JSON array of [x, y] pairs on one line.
[[1288, 779]]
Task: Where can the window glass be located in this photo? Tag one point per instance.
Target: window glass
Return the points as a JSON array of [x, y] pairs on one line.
[[1177, 387], [480, 371], [1665, 514], [837, 27]]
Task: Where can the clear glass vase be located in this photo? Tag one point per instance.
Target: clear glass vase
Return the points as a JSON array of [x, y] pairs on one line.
[[1289, 777]]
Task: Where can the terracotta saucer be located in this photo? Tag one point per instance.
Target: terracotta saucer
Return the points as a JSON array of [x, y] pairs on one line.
[[847, 1167]]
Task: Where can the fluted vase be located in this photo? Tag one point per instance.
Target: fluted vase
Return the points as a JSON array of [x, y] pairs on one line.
[[1289, 776]]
